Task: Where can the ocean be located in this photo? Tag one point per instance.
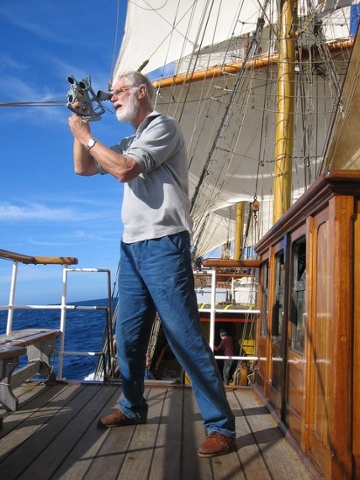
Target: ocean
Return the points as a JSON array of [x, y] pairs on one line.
[[83, 333]]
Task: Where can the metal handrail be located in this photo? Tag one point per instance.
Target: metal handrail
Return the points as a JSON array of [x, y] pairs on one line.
[[65, 262]]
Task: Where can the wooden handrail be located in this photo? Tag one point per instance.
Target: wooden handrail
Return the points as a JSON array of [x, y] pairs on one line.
[[217, 262], [27, 259], [225, 275]]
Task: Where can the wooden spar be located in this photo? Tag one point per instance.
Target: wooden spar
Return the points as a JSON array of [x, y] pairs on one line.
[[239, 222], [261, 61], [285, 111]]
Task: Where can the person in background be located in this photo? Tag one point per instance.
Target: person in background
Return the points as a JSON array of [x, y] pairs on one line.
[[148, 373], [226, 346], [155, 272]]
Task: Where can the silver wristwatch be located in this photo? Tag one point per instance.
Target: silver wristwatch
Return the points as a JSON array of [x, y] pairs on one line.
[[91, 143]]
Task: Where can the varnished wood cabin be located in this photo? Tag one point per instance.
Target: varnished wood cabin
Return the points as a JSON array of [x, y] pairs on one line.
[[308, 333]]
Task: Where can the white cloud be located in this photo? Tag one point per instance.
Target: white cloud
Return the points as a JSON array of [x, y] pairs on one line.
[[39, 212]]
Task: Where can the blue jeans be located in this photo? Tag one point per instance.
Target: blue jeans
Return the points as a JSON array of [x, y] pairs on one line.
[[156, 276]]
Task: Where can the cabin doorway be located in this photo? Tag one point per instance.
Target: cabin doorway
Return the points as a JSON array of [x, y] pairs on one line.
[[294, 391], [278, 333]]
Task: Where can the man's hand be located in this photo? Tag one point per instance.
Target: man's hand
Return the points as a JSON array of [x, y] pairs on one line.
[[80, 129]]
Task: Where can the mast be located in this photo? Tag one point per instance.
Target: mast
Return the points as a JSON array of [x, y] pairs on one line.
[[239, 231], [285, 109]]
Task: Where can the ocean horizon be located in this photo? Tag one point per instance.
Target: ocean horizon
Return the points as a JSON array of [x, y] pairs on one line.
[[84, 333]]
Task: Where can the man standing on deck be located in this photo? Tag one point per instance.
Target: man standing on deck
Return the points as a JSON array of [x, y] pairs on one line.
[[155, 264], [227, 346]]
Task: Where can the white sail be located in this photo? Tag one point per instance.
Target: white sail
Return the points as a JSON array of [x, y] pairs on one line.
[[159, 32], [216, 69]]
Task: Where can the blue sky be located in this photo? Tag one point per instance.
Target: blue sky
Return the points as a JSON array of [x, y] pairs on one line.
[[45, 209]]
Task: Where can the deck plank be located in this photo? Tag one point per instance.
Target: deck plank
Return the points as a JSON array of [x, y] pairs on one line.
[[49, 435], [53, 436], [273, 446], [229, 466], [194, 435], [138, 461], [87, 449], [106, 461], [23, 426], [249, 452], [166, 462]]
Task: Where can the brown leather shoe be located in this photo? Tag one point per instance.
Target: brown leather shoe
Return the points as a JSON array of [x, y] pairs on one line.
[[216, 444], [118, 419]]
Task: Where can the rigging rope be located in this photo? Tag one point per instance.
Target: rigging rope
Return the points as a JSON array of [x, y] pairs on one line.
[[113, 63], [223, 125]]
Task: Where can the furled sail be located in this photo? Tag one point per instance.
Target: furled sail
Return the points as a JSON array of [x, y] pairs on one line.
[[215, 65], [343, 152]]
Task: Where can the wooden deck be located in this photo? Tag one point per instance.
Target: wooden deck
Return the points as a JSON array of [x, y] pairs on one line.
[[53, 435]]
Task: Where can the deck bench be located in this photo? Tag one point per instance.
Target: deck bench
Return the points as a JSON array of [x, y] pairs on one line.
[[38, 345], [9, 359]]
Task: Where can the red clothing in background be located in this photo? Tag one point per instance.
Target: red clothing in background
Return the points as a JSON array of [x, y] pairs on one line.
[[227, 345]]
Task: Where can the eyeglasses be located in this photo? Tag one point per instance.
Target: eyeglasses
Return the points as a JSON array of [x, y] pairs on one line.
[[122, 90]]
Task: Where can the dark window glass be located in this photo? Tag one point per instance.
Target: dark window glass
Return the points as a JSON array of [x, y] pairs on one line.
[[279, 298], [298, 295], [265, 295]]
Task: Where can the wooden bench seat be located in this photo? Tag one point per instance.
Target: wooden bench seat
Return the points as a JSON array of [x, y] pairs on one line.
[[9, 360], [38, 345]]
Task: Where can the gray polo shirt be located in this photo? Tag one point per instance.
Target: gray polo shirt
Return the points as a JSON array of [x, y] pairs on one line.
[[156, 203]]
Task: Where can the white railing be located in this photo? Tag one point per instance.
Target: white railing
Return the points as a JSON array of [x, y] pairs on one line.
[[250, 312], [63, 307]]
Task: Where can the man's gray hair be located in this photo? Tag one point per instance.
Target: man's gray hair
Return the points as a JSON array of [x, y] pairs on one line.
[[136, 79]]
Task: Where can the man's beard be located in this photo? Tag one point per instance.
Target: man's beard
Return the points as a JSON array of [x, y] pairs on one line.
[[128, 111]]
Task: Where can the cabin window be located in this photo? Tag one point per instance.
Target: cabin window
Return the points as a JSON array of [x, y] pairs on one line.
[[299, 295], [265, 296], [279, 298]]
